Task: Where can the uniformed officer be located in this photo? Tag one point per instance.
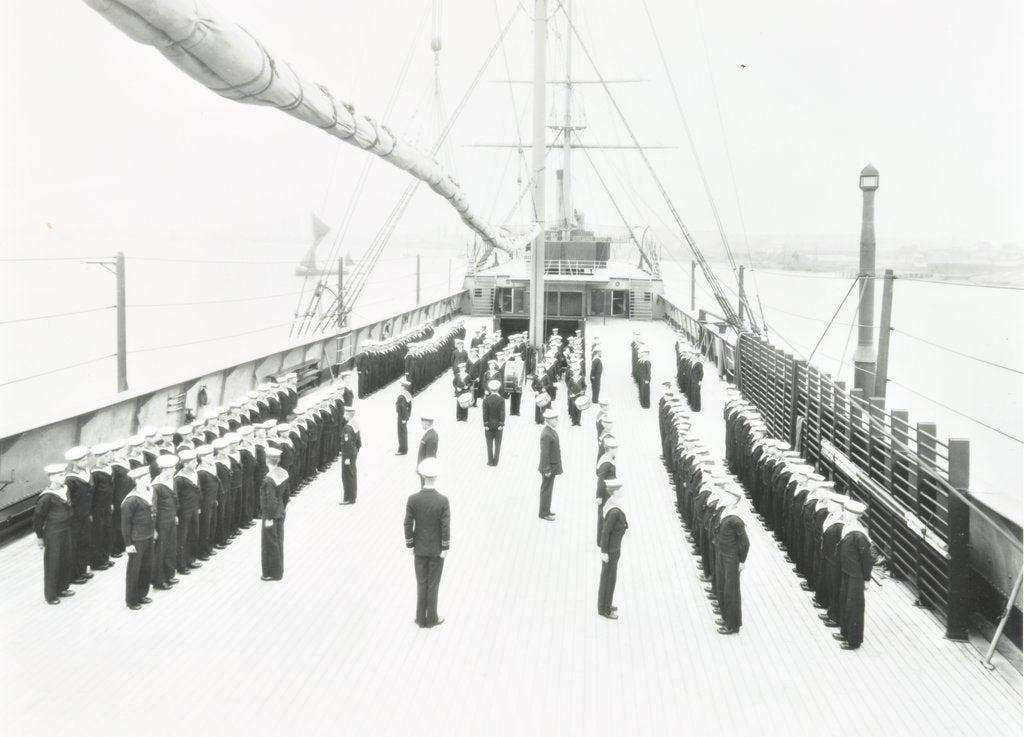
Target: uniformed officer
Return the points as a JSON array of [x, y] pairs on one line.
[[644, 378], [403, 410], [138, 529], [428, 442], [550, 463], [247, 458], [273, 492], [493, 414], [427, 530], [596, 372], [613, 528], [120, 466], [222, 463], [52, 524], [351, 442], [855, 562]]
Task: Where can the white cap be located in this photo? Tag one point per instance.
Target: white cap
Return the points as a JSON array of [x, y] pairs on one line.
[[429, 467], [52, 469], [204, 450], [77, 453], [550, 414], [246, 430], [494, 385], [219, 443], [166, 461], [99, 449], [140, 472], [233, 437], [856, 508], [186, 455]]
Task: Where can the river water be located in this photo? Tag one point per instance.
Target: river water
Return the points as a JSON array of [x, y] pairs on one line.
[[168, 340]]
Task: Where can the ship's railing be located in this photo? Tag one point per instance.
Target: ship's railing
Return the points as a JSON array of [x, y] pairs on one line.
[[24, 452], [571, 267], [914, 483]]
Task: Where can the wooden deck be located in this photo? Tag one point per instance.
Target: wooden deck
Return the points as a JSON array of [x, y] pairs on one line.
[[332, 648]]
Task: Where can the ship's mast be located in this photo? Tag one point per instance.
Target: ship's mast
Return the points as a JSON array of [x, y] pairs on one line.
[[567, 130], [540, 28]]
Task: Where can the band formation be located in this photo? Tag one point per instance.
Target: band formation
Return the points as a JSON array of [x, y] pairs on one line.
[[171, 498]]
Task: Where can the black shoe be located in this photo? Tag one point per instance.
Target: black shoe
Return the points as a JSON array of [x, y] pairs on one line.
[[720, 622], [548, 517], [609, 615], [184, 572], [173, 581], [220, 546], [162, 587], [135, 607], [400, 453], [87, 575], [203, 558], [103, 566], [438, 623], [848, 646], [267, 578], [831, 623], [53, 601], [806, 586], [80, 580], [818, 605], [193, 565], [345, 503], [116, 555], [727, 630], [704, 579], [66, 593], [614, 609], [419, 623], [145, 600], [838, 636]]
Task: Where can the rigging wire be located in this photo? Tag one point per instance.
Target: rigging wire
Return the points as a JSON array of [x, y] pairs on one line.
[[834, 315], [523, 166], [209, 340], [959, 353], [50, 258], [56, 314], [56, 370], [958, 412], [713, 280], [697, 160], [608, 192]]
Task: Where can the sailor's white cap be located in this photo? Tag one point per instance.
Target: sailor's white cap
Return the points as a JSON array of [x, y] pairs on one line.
[[268, 425], [273, 453], [610, 442], [494, 385], [135, 441], [139, 473], [613, 484], [245, 430], [166, 461], [185, 430], [856, 508], [186, 454], [427, 417], [147, 432], [116, 445], [77, 453], [550, 414], [53, 469], [219, 443], [166, 430], [99, 449], [204, 450], [233, 437], [429, 467]]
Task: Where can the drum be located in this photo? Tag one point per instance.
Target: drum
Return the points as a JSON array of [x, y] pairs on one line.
[[465, 400], [582, 402], [542, 400]]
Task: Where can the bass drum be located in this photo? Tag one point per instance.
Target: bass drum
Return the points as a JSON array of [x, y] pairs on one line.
[[542, 400], [465, 400], [582, 403]]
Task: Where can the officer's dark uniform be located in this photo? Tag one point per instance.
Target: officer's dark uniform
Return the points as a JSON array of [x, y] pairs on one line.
[[494, 423], [427, 532]]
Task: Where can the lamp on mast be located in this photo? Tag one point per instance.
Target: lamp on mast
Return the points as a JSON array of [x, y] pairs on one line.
[[864, 357]]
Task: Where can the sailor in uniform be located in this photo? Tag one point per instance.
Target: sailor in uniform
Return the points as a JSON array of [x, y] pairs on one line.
[[120, 466], [403, 410], [832, 533], [186, 488], [493, 415], [550, 463], [428, 441], [855, 562], [52, 524], [79, 486], [605, 470], [247, 458], [459, 356], [351, 442], [731, 548], [273, 491], [209, 490], [461, 384], [102, 479], [165, 504], [427, 528], [138, 529], [613, 529], [223, 465]]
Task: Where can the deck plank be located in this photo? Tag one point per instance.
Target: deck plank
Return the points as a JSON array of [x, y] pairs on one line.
[[332, 648]]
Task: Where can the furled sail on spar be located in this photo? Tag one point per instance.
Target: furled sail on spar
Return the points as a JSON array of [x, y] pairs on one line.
[[228, 60]]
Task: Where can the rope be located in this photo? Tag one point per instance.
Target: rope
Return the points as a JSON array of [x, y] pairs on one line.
[[965, 355], [59, 258], [56, 370], [56, 314]]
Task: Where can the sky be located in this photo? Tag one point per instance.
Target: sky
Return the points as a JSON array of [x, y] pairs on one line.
[[103, 140]]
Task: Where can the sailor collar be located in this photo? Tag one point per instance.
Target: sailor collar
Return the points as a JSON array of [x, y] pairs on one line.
[[192, 476], [80, 475], [278, 475]]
